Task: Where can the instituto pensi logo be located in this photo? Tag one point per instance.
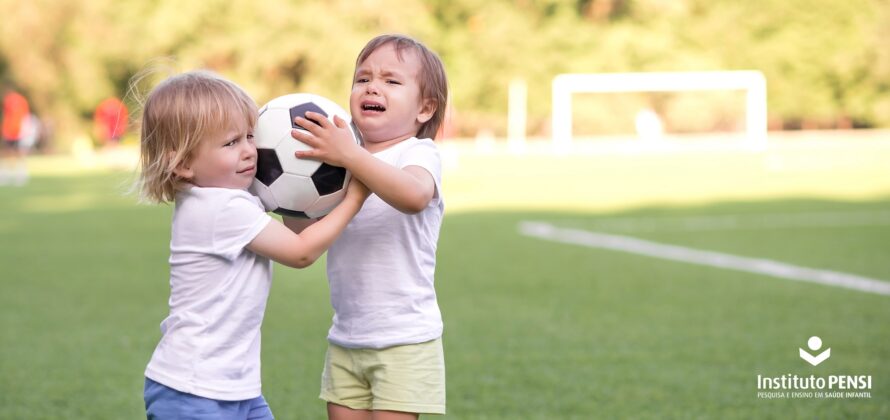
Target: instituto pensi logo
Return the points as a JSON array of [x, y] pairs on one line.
[[812, 386], [815, 343]]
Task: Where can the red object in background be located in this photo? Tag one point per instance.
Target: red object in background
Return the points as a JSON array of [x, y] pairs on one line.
[[110, 120], [15, 109]]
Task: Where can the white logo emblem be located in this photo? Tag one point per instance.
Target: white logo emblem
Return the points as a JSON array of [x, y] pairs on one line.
[[815, 343]]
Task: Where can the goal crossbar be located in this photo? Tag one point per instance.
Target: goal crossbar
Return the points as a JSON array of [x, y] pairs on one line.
[[751, 81]]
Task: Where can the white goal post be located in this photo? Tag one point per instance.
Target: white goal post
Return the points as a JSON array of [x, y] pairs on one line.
[[751, 81]]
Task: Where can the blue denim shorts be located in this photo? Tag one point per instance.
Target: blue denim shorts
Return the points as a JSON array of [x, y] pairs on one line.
[[163, 403]]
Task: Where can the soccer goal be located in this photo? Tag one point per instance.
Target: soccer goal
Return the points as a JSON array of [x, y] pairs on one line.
[[753, 83]]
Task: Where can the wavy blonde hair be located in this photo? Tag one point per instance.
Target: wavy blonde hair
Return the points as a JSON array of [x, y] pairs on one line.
[[178, 114]]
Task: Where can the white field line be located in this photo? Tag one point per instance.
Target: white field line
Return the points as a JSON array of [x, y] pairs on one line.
[[746, 221], [772, 268]]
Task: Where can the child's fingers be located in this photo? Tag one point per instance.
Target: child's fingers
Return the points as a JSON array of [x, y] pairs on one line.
[[304, 137], [306, 154], [308, 125], [339, 122], [318, 119]]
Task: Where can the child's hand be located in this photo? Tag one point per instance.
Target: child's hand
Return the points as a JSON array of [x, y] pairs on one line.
[[332, 143]]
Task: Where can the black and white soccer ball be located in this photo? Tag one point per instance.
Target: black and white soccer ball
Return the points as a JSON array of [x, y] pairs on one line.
[[288, 185]]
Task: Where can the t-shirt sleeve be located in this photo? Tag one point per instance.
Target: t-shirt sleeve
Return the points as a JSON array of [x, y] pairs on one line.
[[424, 154], [238, 222]]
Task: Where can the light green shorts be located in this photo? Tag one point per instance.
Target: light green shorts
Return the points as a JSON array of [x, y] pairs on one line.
[[408, 378]]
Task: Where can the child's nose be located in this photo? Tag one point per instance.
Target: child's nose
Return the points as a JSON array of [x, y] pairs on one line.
[[249, 151], [371, 87]]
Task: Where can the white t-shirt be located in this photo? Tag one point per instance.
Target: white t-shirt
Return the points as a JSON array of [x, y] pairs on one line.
[[210, 343], [381, 268]]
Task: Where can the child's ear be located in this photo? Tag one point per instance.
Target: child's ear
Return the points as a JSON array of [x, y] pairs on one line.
[[183, 169], [427, 110]]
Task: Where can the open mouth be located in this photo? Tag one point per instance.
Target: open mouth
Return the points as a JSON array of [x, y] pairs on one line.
[[374, 107]]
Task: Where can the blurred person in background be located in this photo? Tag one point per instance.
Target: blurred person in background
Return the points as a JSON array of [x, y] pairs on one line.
[[110, 121], [15, 127]]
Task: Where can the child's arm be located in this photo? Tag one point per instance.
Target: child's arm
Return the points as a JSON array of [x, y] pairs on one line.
[[283, 245], [297, 224], [408, 189]]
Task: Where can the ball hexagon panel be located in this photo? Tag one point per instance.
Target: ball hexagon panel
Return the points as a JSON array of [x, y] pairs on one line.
[[265, 195], [272, 127], [325, 204], [294, 191], [289, 163]]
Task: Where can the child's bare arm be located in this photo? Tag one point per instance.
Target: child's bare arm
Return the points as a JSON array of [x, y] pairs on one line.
[[408, 189], [296, 224], [283, 245]]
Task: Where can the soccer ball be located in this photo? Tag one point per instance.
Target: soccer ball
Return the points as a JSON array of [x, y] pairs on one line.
[[287, 185]]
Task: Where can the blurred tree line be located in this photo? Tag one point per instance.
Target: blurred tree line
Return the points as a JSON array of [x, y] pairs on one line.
[[827, 62]]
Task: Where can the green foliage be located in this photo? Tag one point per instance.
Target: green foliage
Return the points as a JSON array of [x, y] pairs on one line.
[[825, 60]]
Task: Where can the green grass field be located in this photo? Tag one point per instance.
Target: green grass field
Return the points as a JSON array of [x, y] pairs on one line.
[[534, 329]]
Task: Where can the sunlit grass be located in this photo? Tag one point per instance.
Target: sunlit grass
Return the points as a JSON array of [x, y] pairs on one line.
[[614, 174], [622, 174], [533, 329]]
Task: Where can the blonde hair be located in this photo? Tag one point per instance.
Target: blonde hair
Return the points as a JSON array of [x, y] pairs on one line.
[[179, 112], [433, 82]]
